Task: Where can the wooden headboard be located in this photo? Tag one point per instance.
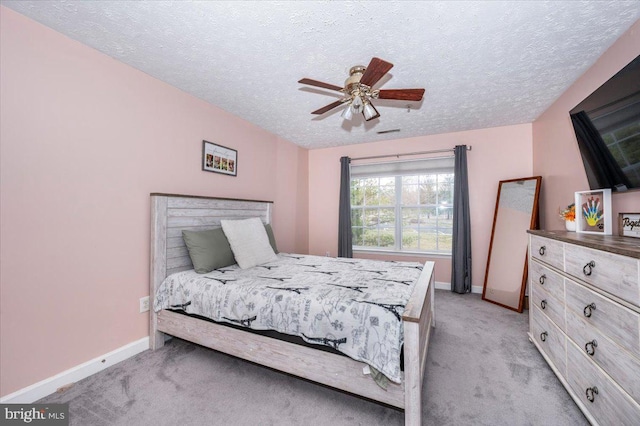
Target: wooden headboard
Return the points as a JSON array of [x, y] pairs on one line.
[[171, 213]]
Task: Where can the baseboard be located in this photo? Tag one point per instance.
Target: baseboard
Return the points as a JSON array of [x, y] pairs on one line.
[[447, 286], [48, 386]]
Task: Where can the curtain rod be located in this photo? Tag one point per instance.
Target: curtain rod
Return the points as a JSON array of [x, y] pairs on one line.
[[408, 153]]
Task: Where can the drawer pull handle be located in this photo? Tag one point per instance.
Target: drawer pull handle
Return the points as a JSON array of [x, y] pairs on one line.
[[591, 393], [543, 336], [588, 310], [542, 250], [543, 303], [587, 269], [542, 278], [590, 347]]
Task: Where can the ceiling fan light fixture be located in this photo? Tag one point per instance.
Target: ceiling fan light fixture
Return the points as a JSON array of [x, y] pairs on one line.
[[347, 114], [357, 104], [370, 112]]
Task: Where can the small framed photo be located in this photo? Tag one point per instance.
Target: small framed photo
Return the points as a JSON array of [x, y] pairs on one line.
[[629, 225], [219, 159], [593, 211]]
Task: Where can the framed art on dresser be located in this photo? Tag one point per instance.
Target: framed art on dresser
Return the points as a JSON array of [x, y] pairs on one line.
[[629, 225], [593, 211]]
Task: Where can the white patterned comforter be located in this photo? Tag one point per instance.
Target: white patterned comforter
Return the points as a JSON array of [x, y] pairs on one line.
[[352, 305]]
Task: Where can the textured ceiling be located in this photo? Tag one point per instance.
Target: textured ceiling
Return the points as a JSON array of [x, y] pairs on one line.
[[483, 64]]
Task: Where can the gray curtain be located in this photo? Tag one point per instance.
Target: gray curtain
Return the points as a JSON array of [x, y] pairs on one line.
[[345, 248], [461, 252]]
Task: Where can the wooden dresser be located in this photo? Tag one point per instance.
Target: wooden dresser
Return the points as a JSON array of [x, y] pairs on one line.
[[585, 319]]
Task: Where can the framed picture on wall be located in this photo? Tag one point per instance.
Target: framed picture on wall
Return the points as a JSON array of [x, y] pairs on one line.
[[593, 211], [219, 159]]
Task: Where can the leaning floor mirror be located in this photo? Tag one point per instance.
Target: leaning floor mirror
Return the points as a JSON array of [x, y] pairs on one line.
[[516, 211]]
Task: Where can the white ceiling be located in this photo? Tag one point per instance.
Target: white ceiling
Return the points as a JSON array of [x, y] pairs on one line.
[[483, 64]]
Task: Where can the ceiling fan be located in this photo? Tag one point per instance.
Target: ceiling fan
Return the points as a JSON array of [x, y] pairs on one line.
[[358, 90]]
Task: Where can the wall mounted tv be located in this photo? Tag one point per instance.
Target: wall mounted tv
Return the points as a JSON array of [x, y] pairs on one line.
[[607, 127]]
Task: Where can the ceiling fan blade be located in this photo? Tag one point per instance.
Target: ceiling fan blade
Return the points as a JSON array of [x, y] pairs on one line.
[[401, 94], [328, 107], [320, 84], [376, 69]]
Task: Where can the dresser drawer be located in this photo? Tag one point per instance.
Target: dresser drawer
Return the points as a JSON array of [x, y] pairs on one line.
[[610, 405], [550, 281], [550, 339], [620, 364], [615, 274], [548, 251], [619, 323], [549, 305]]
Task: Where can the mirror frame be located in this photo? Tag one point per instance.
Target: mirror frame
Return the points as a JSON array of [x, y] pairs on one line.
[[533, 224]]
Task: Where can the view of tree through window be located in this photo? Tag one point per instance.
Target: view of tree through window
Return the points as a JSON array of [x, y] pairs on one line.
[[624, 144], [403, 213]]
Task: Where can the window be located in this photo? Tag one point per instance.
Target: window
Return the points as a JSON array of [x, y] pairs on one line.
[[403, 206]]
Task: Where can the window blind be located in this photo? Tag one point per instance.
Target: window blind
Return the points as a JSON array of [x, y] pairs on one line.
[[404, 167]]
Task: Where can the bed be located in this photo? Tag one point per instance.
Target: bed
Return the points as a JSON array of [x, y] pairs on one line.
[[171, 214]]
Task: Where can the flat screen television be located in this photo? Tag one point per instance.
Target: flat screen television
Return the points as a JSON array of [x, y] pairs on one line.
[[607, 127]]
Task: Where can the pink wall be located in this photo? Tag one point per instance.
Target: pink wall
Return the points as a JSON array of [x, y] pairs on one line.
[[291, 212], [556, 156], [84, 140], [498, 153]]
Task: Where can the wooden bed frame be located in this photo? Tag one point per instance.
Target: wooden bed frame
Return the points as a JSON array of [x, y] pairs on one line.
[[171, 213]]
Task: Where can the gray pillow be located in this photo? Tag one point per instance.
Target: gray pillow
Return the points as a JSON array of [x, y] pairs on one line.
[[208, 249], [272, 239]]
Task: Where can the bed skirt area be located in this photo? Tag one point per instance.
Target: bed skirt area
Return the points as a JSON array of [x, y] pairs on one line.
[[335, 370], [280, 336]]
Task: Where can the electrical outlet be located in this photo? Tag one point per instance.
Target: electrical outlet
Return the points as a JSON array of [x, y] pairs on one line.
[[144, 304]]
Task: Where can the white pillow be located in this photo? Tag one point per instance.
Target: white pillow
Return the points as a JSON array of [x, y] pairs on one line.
[[249, 242]]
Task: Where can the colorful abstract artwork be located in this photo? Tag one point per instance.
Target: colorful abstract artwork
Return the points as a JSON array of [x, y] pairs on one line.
[[594, 214], [592, 211]]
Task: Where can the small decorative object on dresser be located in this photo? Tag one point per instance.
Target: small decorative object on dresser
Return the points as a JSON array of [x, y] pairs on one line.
[[629, 224], [585, 319], [593, 211], [219, 159], [569, 217]]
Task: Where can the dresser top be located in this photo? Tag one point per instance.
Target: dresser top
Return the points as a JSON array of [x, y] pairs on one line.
[[625, 246]]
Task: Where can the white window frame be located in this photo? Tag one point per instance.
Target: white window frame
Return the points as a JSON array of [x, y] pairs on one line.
[[397, 170]]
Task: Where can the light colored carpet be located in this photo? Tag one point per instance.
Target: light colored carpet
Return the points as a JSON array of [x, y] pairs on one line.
[[481, 370]]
